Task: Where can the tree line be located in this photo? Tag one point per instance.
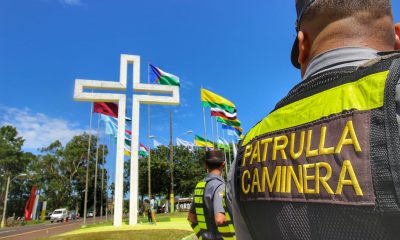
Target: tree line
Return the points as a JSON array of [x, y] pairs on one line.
[[59, 172]]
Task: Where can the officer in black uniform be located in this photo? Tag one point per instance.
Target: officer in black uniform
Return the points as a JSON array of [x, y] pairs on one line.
[[325, 163], [209, 214]]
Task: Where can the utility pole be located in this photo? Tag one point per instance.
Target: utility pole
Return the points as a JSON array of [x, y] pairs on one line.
[[171, 156]]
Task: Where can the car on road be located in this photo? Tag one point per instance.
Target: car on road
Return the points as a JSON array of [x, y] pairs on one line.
[[89, 214], [48, 216], [59, 215]]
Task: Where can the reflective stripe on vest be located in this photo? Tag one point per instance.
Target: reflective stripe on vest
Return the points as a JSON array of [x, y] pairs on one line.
[[227, 230], [353, 97], [201, 226]]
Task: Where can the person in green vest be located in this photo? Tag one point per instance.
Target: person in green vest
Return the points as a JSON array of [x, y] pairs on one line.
[[325, 163], [210, 215]]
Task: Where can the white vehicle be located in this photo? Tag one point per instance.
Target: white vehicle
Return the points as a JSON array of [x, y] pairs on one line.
[[59, 215]]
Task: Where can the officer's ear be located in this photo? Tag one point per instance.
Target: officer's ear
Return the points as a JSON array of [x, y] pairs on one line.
[[304, 50], [397, 32]]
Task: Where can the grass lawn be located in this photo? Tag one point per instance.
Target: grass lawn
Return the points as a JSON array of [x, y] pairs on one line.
[[169, 226], [151, 234]]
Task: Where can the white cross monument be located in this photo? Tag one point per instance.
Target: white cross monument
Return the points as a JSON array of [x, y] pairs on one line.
[[81, 95]]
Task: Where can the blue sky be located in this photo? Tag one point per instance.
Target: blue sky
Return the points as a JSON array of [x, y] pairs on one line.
[[238, 49]]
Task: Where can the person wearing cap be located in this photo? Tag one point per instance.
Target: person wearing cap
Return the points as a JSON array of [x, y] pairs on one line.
[[325, 163], [210, 215]]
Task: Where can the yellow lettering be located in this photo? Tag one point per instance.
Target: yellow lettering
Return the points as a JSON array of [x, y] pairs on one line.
[[322, 149], [245, 190], [256, 181], [309, 152], [247, 153], [265, 142], [283, 178], [290, 174], [276, 179], [347, 167], [296, 155], [307, 178], [349, 128], [323, 180], [256, 153], [280, 147]]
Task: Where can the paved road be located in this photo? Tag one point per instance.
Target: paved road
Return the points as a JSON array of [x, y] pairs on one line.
[[42, 230]]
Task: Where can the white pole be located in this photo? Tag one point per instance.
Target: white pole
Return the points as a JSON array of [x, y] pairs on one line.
[[212, 131], [205, 129], [5, 203], [87, 165], [102, 175], [95, 171]]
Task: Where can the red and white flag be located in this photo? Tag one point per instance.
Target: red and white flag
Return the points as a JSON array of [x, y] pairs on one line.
[[224, 114]]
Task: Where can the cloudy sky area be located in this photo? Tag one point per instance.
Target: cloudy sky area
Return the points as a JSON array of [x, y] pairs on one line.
[[238, 49]]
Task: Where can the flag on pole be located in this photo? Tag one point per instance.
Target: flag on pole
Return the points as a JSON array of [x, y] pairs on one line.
[[106, 108], [163, 78], [157, 143], [201, 142], [111, 126], [187, 144], [127, 151], [143, 151], [236, 122], [234, 150], [237, 129], [222, 144], [224, 114], [212, 100], [128, 141]]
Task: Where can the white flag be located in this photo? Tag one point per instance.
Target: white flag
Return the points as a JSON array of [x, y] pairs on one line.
[[181, 142], [234, 150], [156, 143]]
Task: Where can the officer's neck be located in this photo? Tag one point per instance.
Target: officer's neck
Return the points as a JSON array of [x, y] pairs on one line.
[[216, 171]]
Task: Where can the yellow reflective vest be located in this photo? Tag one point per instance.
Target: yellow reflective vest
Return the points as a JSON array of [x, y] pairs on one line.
[[325, 163]]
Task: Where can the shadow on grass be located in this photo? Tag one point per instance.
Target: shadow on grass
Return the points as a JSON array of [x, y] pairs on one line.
[[170, 234]]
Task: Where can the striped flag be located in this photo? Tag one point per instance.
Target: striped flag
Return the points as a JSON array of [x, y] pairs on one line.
[[163, 78], [212, 100], [202, 142], [224, 114], [143, 151], [236, 122]]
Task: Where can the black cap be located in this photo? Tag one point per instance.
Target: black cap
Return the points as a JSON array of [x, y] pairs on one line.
[[214, 156], [301, 7]]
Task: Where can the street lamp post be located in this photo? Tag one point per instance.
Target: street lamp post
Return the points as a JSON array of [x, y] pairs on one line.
[[171, 156], [6, 196], [172, 195]]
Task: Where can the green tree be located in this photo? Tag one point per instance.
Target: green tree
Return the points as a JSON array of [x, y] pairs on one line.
[[188, 170]]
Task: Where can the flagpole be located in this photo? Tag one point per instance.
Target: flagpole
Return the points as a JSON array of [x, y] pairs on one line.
[[102, 174], [87, 165], [108, 153], [212, 130], [216, 126], [226, 162], [148, 140], [171, 155], [95, 171], [229, 152]]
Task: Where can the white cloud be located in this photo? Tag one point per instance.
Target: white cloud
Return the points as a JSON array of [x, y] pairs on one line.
[[71, 2], [38, 129]]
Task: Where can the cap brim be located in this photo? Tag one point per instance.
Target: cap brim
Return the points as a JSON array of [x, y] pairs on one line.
[[295, 54]]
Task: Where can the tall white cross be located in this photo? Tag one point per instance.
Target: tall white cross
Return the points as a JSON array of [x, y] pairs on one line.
[[81, 95]]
